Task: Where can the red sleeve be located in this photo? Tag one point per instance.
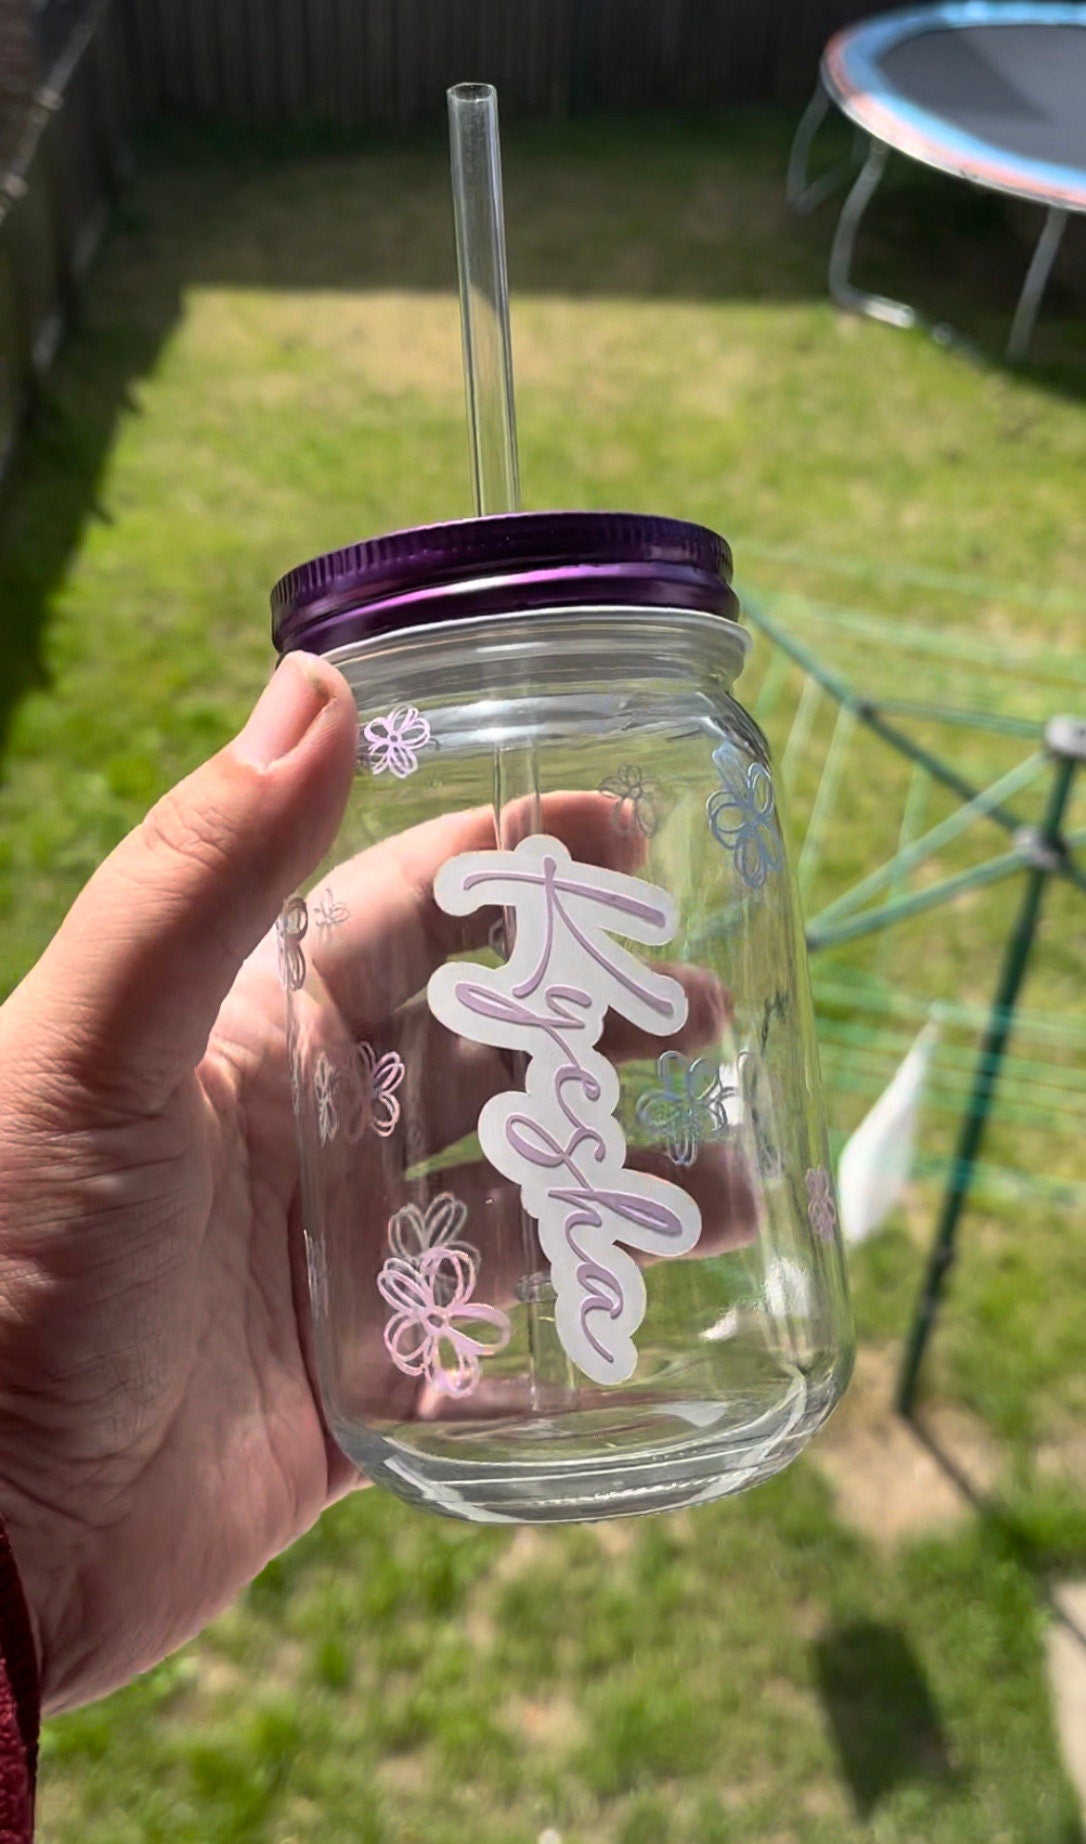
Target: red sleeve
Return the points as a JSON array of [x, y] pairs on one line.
[[20, 1706]]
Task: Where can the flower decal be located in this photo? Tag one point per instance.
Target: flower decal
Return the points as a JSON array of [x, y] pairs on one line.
[[821, 1203], [742, 815], [290, 930], [635, 803], [412, 1232], [688, 1107], [435, 1330], [326, 1083], [372, 1082], [328, 913], [393, 742], [358, 1096]]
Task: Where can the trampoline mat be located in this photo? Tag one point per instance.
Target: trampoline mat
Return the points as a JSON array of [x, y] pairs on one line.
[[1020, 88]]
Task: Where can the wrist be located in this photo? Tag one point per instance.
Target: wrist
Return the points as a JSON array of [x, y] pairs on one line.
[[20, 1648]]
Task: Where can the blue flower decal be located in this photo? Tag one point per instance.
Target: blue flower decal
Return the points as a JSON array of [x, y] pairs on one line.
[[742, 815], [688, 1107]]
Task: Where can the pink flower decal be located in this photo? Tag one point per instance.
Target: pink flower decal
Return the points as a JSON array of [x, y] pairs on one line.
[[371, 1083], [428, 1333], [291, 929], [393, 742], [325, 1086], [821, 1206]]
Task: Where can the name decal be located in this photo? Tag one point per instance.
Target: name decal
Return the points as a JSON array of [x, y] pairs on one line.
[[558, 1139]]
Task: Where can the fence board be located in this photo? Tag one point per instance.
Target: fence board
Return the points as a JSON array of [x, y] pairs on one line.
[[362, 64], [53, 202]]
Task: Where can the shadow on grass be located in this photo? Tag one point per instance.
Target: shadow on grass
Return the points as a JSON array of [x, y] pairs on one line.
[[885, 1723], [54, 491], [1046, 1545]]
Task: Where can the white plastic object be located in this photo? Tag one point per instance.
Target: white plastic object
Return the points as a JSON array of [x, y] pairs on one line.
[[875, 1164]]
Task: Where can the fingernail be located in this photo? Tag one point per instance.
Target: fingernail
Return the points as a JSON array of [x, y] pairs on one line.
[[294, 697]]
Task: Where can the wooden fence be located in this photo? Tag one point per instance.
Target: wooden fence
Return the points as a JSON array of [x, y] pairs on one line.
[[70, 155], [351, 64], [361, 64]]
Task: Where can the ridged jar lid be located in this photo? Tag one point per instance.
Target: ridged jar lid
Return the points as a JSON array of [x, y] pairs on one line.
[[523, 560]]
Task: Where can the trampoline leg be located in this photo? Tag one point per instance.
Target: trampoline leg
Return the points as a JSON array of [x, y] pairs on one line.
[[1040, 268], [857, 300], [801, 193]]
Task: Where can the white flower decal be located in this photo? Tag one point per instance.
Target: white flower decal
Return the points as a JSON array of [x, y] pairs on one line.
[[328, 912], [689, 1106], [742, 816], [393, 742], [326, 1083], [290, 932], [434, 1330], [635, 803], [821, 1204]]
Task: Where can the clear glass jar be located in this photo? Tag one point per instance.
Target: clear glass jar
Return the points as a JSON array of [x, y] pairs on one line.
[[570, 1224]]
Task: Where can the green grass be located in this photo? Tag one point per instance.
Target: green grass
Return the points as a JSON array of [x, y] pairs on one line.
[[684, 1679], [267, 364]]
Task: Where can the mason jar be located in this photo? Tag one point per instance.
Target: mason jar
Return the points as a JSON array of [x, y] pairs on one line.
[[570, 1223]]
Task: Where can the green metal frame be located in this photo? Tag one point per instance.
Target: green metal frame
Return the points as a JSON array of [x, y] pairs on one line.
[[1041, 853]]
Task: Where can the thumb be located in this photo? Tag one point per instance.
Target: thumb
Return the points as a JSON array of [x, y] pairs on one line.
[[124, 998]]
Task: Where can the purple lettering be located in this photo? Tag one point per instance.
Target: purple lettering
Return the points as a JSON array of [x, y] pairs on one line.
[[558, 1139]]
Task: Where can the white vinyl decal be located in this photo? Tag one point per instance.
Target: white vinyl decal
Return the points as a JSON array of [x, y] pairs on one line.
[[558, 1139]]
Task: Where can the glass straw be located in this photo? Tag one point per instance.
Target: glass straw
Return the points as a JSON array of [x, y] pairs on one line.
[[484, 294], [492, 429]]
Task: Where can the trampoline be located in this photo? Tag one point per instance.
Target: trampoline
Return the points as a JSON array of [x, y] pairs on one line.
[[989, 91]]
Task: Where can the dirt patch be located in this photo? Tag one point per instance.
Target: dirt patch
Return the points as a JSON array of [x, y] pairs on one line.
[[1061, 1460], [889, 1481], [615, 1537], [405, 1773], [1067, 1677], [522, 1555], [553, 1724]]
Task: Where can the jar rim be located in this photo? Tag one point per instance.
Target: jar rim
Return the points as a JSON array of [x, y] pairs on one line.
[[517, 562], [682, 624]]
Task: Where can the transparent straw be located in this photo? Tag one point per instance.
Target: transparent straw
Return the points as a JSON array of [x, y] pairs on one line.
[[484, 294], [492, 429]]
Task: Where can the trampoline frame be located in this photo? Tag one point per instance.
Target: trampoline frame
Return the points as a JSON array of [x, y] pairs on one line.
[[907, 130]]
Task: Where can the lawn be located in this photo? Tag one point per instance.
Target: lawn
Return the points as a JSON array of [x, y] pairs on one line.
[[267, 364]]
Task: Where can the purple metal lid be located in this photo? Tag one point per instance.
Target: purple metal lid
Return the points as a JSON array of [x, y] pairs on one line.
[[492, 566]]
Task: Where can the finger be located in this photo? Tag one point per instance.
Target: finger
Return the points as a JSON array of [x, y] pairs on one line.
[[126, 994], [391, 933], [719, 1181], [448, 1079]]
